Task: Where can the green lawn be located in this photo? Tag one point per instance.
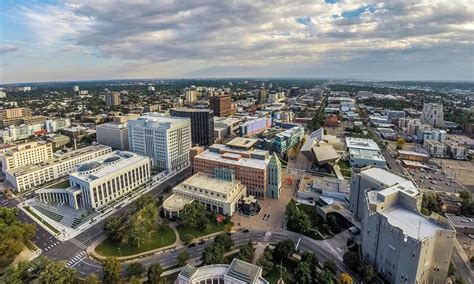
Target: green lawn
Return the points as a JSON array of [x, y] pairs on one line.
[[62, 184], [163, 236], [27, 208], [211, 228], [345, 167]]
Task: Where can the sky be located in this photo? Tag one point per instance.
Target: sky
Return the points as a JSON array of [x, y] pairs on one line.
[[338, 39]]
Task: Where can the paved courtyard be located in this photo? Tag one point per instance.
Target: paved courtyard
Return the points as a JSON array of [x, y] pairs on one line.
[[273, 210]]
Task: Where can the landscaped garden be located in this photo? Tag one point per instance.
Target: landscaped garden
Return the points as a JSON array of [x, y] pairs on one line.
[[139, 232], [159, 237]]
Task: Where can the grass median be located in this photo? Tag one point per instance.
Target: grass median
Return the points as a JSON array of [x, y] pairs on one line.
[[27, 208]]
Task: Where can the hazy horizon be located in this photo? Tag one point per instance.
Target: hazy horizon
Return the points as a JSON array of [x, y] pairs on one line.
[[54, 40]]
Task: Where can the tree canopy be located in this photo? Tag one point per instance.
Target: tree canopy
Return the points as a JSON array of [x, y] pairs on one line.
[[13, 235], [194, 215]]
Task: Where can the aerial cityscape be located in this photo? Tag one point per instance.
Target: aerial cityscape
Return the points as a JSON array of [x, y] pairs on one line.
[[235, 142]]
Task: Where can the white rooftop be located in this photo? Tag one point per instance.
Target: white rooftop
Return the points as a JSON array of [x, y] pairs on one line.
[[361, 143], [105, 165], [366, 154], [382, 176], [411, 223]]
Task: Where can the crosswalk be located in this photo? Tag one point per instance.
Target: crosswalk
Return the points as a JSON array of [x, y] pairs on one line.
[[76, 259], [51, 246], [78, 243]]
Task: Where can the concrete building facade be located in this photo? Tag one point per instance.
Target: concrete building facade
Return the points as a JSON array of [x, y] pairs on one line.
[[54, 125], [432, 114], [402, 244], [221, 105], [25, 154], [166, 140], [113, 134], [100, 181], [202, 124], [112, 99], [33, 175]]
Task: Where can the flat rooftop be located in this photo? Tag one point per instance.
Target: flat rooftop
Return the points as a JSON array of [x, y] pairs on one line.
[[105, 165], [366, 154], [58, 159], [361, 143], [240, 142], [205, 181], [403, 152], [382, 176], [241, 161], [411, 223], [158, 117]]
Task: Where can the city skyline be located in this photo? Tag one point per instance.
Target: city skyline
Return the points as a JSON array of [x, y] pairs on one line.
[[76, 40]]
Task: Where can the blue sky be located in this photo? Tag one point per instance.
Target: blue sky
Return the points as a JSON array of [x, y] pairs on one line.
[[83, 40]]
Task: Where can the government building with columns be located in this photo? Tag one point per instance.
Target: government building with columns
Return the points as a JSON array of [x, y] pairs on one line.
[[97, 182]]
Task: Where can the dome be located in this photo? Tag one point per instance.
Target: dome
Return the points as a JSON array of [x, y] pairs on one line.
[[111, 159], [88, 166]]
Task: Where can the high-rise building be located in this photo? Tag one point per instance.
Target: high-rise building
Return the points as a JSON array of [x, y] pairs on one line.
[[75, 89], [402, 244], [113, 134], [221, 105], [11, 115], [253, 167], [166, 140], [14, 133], [112, 99], [24, 154], [432, 114], [262, 95], [191, 94], [202, 124], [54, 125]]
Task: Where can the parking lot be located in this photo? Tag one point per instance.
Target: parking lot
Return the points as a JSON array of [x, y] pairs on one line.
[[436, 180]]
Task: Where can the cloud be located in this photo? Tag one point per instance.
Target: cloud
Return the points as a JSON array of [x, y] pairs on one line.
[[8, 48], [209, 34]]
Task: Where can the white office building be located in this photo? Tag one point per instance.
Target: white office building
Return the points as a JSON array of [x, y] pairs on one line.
[[24, 131], [100, 181], [166, 140], [403, 245], [364, 152], [456, 151], [218, 194], [26, 154], [113, 134], [432, 114], [31, 176], [54, 125]]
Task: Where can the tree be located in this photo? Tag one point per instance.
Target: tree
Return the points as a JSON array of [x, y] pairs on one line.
[[246, 252], [283, 250], [298, 220], [303, 273], [352, 260], [183, 257], [368, 273], [135, 269], [225, 240], [266, 261], [194, 215], [400, 143], [331, 266], [228, 228], [142, 201], [326, 277], [135, 280], [111, 268], [154, 273], [345, 278], [112, 228], [91, 279], [213, 254], [56, 272], [187, 238], [13, 235]]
